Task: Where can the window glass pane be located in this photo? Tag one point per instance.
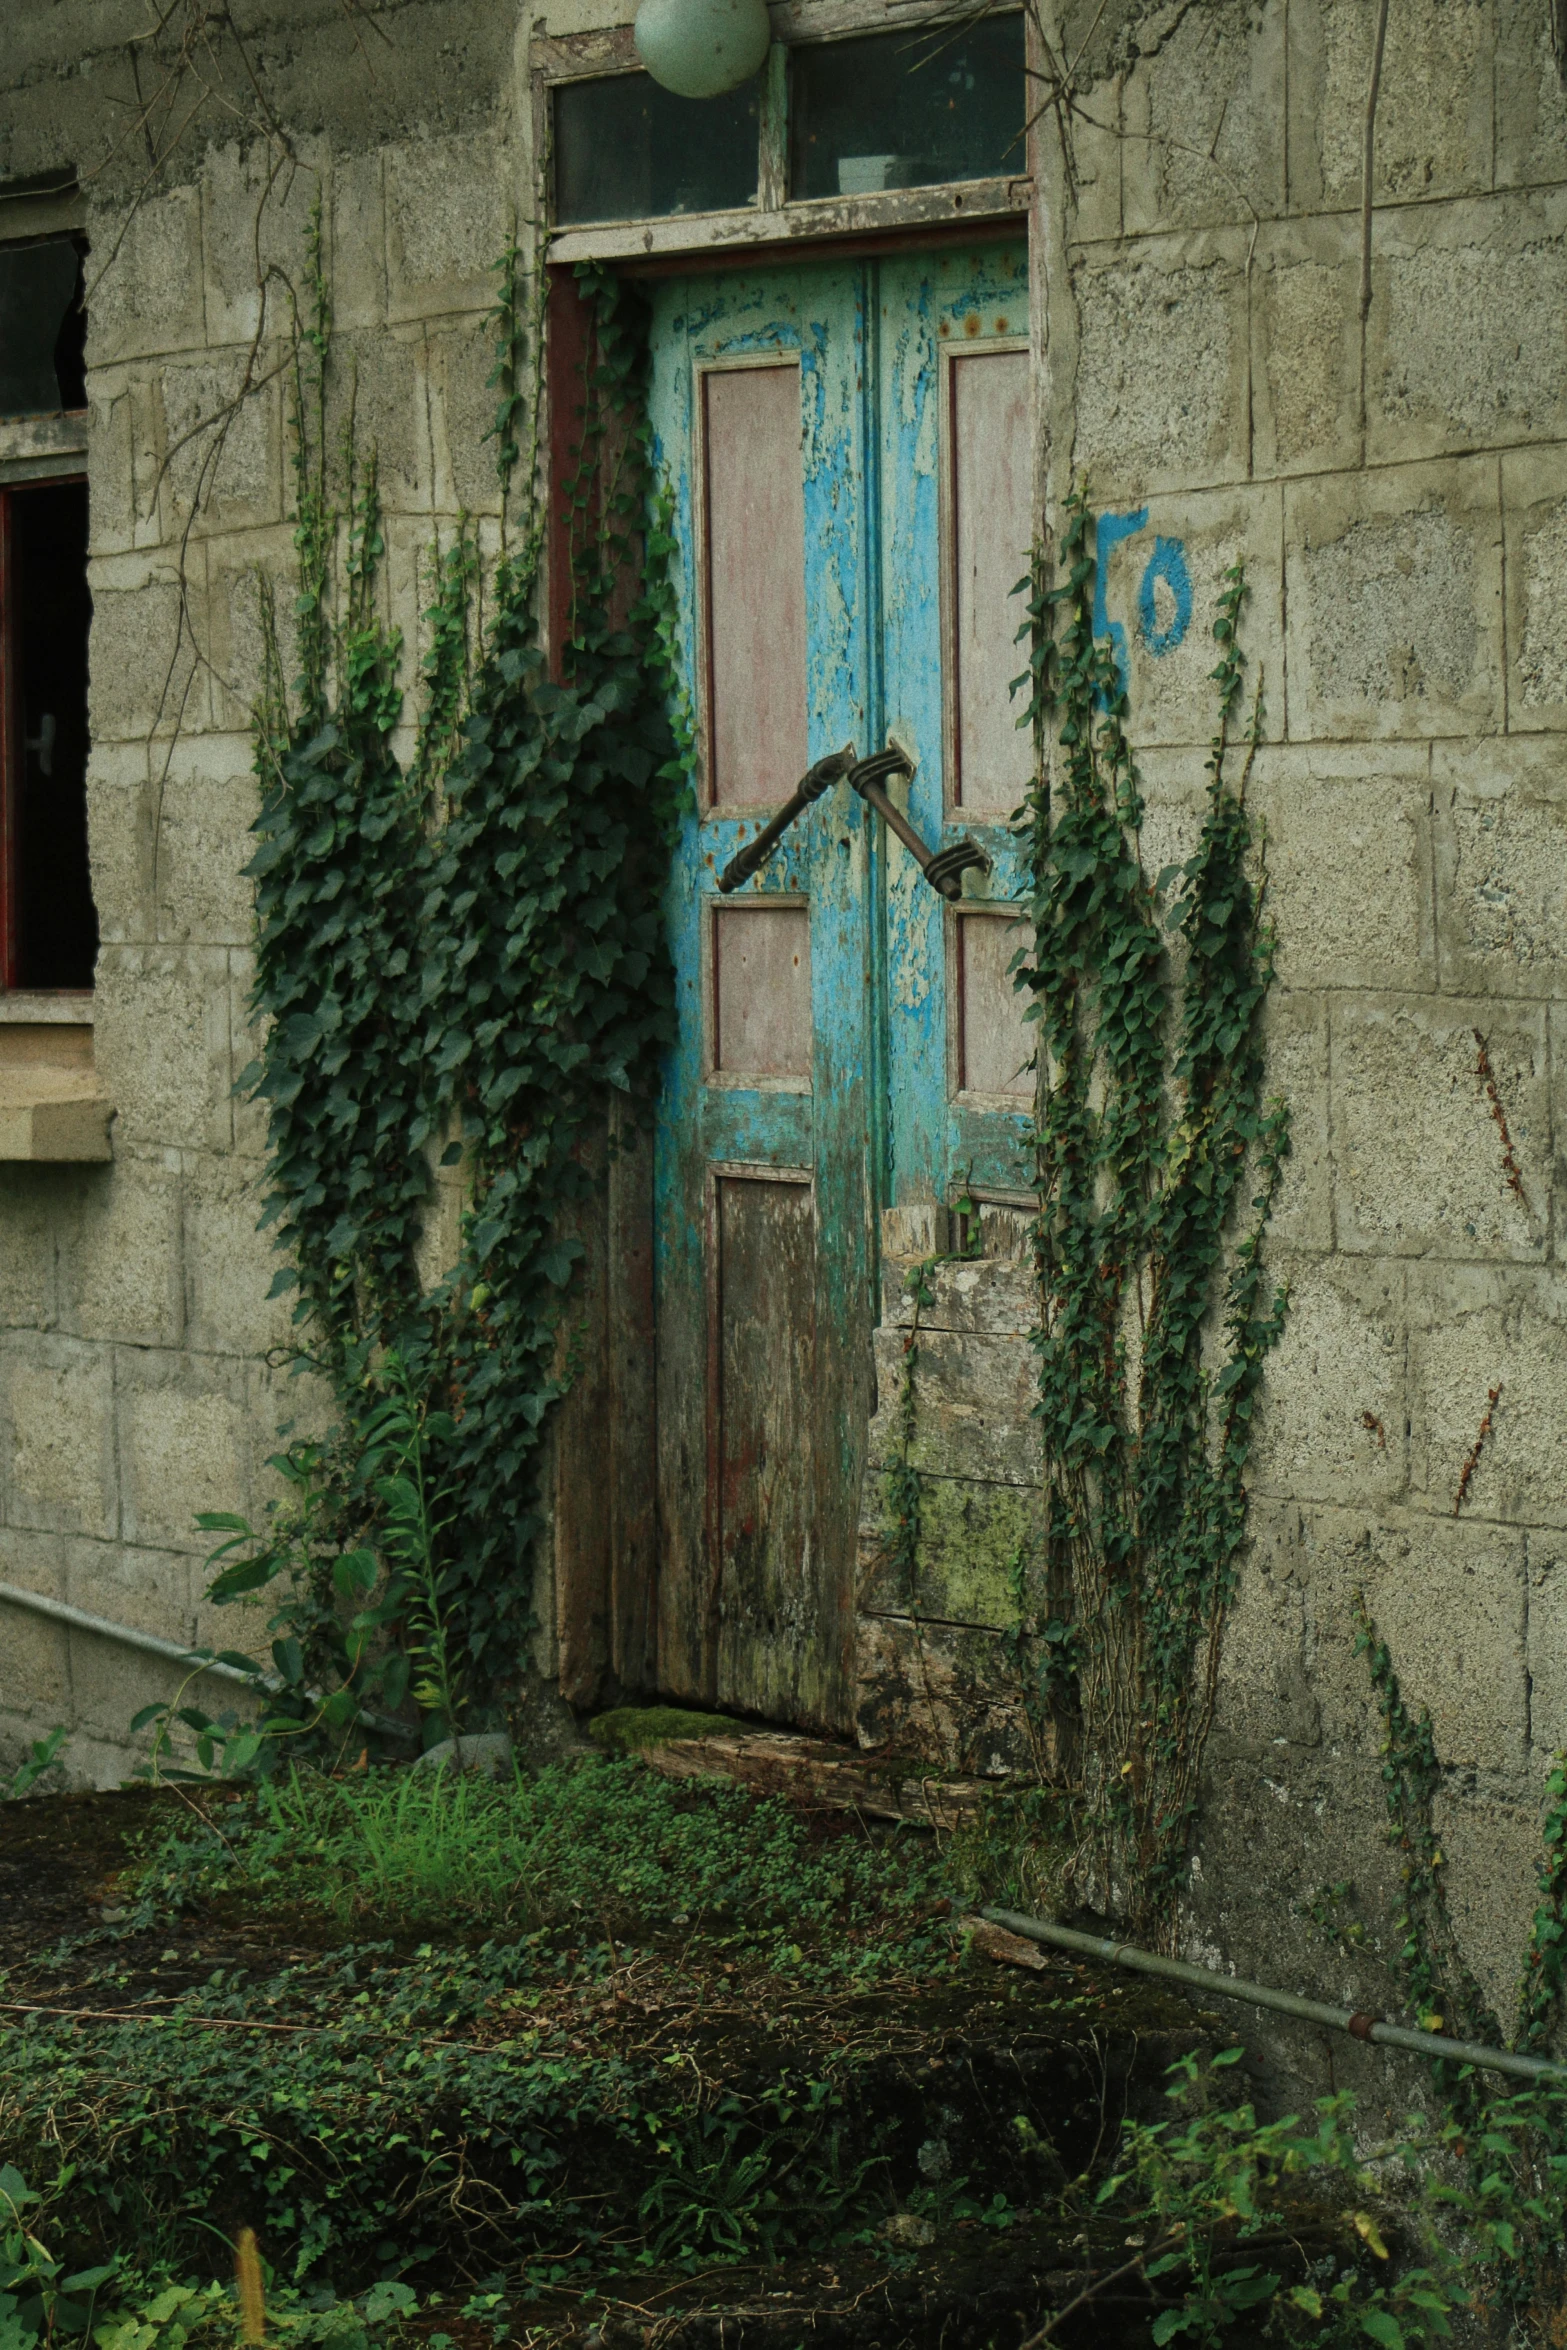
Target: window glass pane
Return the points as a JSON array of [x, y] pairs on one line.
[[40, 330], [627, 150], [907, 109]]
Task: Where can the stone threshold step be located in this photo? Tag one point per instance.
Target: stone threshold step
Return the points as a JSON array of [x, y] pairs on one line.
[[787, 1762]]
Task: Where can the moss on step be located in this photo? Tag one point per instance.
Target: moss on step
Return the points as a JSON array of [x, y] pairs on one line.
[[632, 1729]]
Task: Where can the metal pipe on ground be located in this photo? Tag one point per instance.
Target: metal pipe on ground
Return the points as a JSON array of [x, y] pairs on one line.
[[1311, 2011], [152, 1644]]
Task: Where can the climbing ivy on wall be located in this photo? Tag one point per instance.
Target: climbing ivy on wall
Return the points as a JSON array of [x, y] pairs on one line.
[[1152, 1124], [460, 955]]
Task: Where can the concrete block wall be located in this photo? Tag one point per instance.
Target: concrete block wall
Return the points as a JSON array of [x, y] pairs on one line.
[[142, 1373], [1408, 587]]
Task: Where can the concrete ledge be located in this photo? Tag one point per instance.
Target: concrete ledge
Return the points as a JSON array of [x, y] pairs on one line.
[[53, 1115]]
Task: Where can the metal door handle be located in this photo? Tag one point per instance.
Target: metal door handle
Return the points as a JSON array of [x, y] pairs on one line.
[[812, 784], [943, 868]]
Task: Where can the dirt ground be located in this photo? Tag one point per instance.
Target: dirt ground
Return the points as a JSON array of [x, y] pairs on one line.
[[950, 2067]]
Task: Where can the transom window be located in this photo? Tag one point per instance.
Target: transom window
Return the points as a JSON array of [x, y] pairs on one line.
[[922, 107]]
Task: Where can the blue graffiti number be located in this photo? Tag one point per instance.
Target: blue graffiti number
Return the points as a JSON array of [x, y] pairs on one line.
[[1109, 530], [1167, 562]]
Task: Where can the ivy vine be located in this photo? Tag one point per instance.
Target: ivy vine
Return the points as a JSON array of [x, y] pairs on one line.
[[458, 956], [1152, 1116]]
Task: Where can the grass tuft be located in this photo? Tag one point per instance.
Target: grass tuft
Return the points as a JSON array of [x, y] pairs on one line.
[[415, 1851]]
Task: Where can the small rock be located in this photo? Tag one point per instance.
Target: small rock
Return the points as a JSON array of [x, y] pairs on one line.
[[489, 1752]]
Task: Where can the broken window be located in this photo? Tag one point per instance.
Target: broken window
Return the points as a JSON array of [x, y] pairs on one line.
[[42, 328], [48, 926]]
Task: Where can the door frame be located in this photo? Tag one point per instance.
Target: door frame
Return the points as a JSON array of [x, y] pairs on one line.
[[601, 1643]]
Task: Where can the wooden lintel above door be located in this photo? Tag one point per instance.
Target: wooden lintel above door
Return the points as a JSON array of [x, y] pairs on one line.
[[857, 224]]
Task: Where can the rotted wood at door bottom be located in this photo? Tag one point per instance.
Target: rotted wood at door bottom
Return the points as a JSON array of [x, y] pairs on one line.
[[767, 1612]]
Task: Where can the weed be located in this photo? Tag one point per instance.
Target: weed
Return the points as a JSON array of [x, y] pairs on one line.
[[42, 1756]]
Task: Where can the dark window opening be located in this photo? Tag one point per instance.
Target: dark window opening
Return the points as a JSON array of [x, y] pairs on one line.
[[48, 924], [43, 328], [627, 150], [907, 109]]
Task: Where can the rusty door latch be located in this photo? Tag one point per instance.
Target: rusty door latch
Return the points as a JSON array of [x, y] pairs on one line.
[[943, 868]]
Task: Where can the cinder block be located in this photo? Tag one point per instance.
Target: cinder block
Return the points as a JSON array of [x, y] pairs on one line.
[[1331, 1423], [942, 1692], [1296, 1045], [1501, 866], [1347, 835], [1306, 367], [184, 1444], [35, 1669], [1534, 502], [148, 296], [1492, 1849], [37, 1225], [1201, 121], [1419, 1154], [975, 1399], [1449, 1602], [255, 218], [124, 1277], [987, 1294], [1433, 134], [112, 1683], [449, 214], [111, 464], [1463, 350], [1162, 585], [358, 211], [229, 1264], [1531, 106], [141, 652], [120, 826], [161, 1043], [1473, 1328], [972, 1538], [210, 800], [462, 413], [1161, 366], [1547, 1647], [383, 376], [237, 564], [145, 1590], [35, 1561], [221, 456], [58, 1404], [1265, 1696], [1394, 585], [1097, 155], [249, 1114]]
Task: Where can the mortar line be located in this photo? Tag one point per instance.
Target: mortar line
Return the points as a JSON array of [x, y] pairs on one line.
[[1507, 658]]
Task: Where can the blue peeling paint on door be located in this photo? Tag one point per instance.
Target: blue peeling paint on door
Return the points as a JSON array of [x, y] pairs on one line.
[[781, 1135]]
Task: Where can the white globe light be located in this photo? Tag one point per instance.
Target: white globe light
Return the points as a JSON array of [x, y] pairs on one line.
[[700, 48]]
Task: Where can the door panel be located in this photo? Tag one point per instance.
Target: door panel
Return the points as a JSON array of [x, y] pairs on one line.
[[754, 581], [768, 1614], [816, 434], [989, 465], [942, 423], [761, 1000], [993, 1046]]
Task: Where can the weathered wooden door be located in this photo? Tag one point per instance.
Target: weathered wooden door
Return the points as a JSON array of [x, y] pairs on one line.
[[849, 449]]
